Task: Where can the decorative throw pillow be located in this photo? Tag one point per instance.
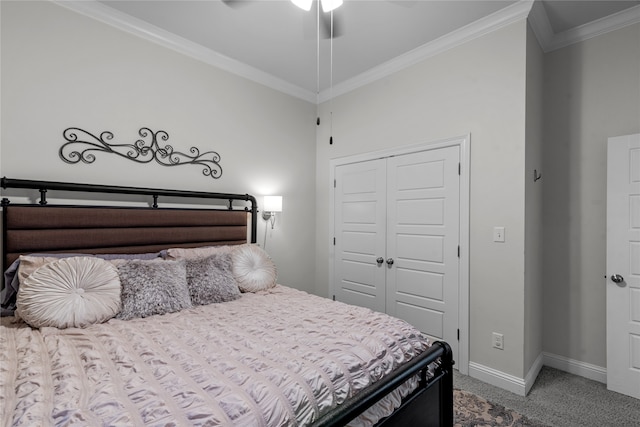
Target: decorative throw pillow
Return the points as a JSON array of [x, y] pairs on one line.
[[153, 287], [70, 292], [146, 255], [30, 263], [9, 293], [253, 268], [211, 280], [194, 253]]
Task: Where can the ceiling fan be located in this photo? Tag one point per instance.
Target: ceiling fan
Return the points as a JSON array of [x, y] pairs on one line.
[[329, 23], [327, 5]]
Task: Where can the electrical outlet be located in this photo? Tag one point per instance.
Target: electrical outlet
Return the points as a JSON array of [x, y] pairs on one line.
[[498, 341]]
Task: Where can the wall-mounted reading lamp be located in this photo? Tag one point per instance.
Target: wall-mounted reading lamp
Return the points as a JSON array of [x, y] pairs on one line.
[[272, 204]]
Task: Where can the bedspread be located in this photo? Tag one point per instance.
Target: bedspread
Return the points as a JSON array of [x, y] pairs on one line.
[[275, 358]]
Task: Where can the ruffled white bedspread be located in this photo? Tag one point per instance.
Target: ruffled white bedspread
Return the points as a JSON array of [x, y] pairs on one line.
[[275, 358]]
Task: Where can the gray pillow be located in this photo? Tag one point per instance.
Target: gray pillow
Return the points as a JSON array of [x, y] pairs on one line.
[[152, 287], [211, 279]]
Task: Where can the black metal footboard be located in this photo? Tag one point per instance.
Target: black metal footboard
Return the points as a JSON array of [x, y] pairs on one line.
[[431, 404]]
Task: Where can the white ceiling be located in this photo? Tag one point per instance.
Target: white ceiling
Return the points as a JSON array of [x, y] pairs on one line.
[[276, 43]]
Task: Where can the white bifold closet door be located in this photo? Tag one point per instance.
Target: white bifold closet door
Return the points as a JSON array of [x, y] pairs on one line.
[[360, 221], [397, 235]]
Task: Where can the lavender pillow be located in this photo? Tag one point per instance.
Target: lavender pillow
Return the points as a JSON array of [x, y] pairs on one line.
[[9, 291], [152, 287], [210, 280], [194, 253]]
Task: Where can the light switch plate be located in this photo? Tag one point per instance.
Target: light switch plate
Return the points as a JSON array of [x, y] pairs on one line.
[[498, 234]]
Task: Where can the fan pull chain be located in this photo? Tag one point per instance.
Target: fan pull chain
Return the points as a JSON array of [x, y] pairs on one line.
[[331, 83], [318, 52]]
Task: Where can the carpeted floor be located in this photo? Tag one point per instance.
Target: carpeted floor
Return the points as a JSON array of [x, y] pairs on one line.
[[559, 399]]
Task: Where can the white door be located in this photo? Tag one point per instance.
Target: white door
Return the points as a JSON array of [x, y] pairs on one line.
[[360, 216], [623, 265], [423, 217]]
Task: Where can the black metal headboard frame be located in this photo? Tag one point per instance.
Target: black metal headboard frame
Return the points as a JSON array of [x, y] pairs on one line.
[[44, 186]]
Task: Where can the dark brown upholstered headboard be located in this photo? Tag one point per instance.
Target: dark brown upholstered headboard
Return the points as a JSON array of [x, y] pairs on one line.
[[108, 229], [48, 229]]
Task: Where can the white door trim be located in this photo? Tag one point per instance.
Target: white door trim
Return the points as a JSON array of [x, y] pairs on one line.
[[623, 256], [463, 142]]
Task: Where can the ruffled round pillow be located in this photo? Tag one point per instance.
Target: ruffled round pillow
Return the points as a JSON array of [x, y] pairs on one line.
[[253, 268], [70, 292]]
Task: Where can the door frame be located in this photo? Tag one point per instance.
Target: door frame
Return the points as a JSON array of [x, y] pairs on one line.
[[463, 142]]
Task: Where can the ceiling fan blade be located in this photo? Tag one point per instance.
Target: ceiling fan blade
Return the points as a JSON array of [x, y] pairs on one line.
[[236, 4]]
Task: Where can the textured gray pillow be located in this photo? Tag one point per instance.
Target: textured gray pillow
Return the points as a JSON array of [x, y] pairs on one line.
[[211, 280], [152, 287]]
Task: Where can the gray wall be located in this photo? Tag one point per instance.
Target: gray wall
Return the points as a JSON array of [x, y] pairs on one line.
[[62, 69], [592, 92], [477, 88], [533, 308]]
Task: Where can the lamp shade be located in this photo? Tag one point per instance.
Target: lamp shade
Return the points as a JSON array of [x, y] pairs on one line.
[[273, 203]]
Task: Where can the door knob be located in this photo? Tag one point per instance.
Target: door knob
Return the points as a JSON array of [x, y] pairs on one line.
[[380, 260], [389, 262], [616, 278]]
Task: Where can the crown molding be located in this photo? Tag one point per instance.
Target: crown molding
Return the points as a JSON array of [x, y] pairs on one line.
[[147, 31], [122, 21], [604, 25], [531, 9], [476, 29], [550, 41], [540, 25]]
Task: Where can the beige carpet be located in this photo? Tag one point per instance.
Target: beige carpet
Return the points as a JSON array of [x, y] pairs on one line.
[[472, 410]]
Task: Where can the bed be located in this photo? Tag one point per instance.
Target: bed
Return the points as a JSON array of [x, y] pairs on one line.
[[202, 334]]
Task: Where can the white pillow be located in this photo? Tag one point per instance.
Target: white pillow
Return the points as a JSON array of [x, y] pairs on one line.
[[253, 268], [70, 292]]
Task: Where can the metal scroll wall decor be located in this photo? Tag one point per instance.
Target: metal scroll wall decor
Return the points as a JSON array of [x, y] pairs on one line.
[[81, 146]]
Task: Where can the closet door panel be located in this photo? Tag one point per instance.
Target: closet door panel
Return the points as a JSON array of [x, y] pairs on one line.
[[423, 210], [360, 215], [430, 322]]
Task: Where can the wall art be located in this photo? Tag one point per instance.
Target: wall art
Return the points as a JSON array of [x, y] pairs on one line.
[[82, 146]]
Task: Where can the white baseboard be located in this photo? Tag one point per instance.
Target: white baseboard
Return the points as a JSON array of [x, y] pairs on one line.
[[533, 373], [497, 378], [521, 386], [586, 370]]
